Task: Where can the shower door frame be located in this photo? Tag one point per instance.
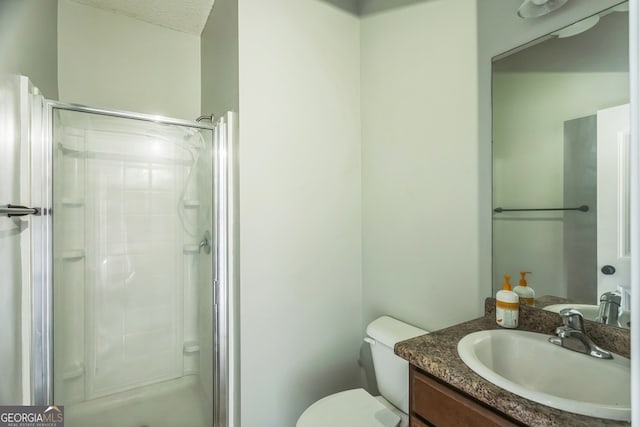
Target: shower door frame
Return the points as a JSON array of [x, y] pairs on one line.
[[223, 271]]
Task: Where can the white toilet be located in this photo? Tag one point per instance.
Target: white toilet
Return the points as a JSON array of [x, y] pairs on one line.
[[357, 408]]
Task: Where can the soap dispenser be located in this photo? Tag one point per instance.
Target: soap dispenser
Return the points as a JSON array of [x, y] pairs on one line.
[[507, 305], [525, 293]]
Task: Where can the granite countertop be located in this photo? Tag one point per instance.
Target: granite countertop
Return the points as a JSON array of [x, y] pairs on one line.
[[436, 353]]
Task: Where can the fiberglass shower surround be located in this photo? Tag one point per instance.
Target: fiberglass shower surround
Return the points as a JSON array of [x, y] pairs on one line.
[[130, 212], [119, 262]]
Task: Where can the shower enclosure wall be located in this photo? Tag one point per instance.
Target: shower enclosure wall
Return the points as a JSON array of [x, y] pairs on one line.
[[130, 267]]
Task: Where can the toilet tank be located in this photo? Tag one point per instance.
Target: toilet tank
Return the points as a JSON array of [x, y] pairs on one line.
[[392, 372]]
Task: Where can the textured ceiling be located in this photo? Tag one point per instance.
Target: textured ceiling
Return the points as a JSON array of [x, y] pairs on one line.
[[188, 16]]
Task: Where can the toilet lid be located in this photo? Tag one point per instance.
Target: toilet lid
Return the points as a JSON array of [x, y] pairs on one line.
[[351, 408]]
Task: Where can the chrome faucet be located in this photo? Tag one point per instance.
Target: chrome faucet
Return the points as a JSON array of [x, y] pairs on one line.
[[571, 335], [609, 308]]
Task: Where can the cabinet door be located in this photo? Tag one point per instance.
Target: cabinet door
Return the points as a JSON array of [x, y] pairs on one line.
[[440, 405]]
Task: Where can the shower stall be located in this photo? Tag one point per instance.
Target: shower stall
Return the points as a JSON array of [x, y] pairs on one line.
[[116, 231]]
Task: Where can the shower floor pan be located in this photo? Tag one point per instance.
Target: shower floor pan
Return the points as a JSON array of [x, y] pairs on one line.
[[178, 402]]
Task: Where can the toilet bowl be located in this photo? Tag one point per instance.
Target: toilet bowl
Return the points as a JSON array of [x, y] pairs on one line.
[[358, 408], [353, 408]]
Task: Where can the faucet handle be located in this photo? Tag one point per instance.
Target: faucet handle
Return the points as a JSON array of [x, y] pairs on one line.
[[610, 309], [614, 297], [572, 318]]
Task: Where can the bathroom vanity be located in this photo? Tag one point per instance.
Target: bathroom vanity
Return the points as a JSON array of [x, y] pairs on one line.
[[444, 391]]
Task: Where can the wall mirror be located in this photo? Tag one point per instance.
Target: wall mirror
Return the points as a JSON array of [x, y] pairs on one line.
[[560, 161]]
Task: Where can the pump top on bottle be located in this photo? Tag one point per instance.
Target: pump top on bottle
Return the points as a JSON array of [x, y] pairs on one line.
[[526, 294]]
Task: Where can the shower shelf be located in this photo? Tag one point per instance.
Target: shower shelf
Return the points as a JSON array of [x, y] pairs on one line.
[[190, 249], [73, 202], [74, 371], [191, 203], [73, 255], [191, 347]]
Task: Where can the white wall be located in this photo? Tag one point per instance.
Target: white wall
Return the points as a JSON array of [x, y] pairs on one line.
[[219, 57], [28, 47], [113, 61], [528, 162], [420, 168], [299, 206]]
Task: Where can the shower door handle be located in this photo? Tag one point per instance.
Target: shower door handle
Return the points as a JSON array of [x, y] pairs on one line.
[[16, 210]]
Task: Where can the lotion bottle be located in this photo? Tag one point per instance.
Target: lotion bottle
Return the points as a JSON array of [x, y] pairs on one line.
[[507, 305], [525, 293]]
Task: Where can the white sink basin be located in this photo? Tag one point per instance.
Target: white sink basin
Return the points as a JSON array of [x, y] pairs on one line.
[[589, 312], [527, 364]]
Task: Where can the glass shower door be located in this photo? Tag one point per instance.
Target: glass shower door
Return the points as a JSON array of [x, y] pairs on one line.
[[132, 288]]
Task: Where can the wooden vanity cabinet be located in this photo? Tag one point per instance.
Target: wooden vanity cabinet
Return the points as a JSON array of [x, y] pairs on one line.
[[433, 403]]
